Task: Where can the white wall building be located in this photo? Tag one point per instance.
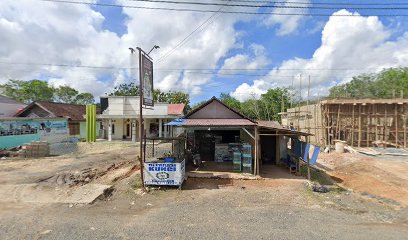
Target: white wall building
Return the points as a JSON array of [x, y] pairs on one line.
[[120, 115]]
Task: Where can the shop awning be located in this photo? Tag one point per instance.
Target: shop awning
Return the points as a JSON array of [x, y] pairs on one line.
[[281, 131]]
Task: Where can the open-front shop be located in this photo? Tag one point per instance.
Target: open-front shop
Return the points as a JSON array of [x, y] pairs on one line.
[[221, 142], [220, 139], [221, 149]]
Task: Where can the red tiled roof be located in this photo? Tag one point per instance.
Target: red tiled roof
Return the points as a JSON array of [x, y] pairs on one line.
[[175, 109], [217, 122]]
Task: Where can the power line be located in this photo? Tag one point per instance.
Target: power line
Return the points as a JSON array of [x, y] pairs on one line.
[[200, 28], [224, 12], [319, 3], [185, 69], [274, 5]]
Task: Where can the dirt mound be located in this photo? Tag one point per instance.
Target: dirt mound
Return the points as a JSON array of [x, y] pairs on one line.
[[382, 177], [84, 176]]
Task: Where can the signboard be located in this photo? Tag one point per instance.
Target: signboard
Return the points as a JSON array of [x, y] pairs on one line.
[[147, 78], [164, 173]]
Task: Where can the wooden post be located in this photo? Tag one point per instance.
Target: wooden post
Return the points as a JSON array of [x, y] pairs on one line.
[[368, 127], [385, 123], [359, 125], [405, 131], [376, 122], [352, 128], [396, 125], [337, 134], [256, 157], [153, 149]]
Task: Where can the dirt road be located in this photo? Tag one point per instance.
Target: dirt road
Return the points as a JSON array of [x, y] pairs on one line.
[[216, 210], [204, 209]]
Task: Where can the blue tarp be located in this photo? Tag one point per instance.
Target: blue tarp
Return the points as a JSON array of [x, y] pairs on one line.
[[176, 122]]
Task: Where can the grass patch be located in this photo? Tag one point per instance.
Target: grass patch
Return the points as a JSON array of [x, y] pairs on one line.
[[317, 176], [136, 182]]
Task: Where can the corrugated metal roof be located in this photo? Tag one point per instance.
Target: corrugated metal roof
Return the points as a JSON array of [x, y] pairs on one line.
[[175, 109], [64, 110], [7, 100], [217, 122], [268, 123]]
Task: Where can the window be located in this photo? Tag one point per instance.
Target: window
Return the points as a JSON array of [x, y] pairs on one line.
[[74, 129]]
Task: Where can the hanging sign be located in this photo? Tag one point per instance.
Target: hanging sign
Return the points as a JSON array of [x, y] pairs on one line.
[[147, 78]]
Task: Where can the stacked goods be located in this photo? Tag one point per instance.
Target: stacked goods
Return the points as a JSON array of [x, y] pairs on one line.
[[35, 149], [236, 155], [246, 158], [237, 161], [221, 153]]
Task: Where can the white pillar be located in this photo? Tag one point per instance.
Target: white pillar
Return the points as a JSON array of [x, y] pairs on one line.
[[133, 130], [110, 130], [165, 129], [160, 127]]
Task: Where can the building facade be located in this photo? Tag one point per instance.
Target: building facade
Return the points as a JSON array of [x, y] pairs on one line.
[[75, 115], [359, 122], [120, 118], [15, 131]]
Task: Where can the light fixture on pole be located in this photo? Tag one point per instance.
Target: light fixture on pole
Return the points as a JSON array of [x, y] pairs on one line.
[[154, 47]]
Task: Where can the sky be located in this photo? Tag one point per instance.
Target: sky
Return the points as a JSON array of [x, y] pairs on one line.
[[204, 54]]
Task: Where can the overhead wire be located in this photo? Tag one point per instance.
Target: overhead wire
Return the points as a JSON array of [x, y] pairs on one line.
[[319, 3], [275, 5], [199, 28], [181, 69], [223, 11]]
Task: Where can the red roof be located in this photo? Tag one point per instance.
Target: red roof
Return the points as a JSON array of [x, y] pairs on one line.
[[63, 110], [175, 109], [217, 122]]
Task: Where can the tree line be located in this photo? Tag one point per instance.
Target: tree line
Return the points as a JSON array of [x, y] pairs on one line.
[[39, 90], [267, 107], [389, 83], [131, 89]]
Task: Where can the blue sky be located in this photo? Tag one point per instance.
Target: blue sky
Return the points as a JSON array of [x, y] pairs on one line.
[[55, 33]]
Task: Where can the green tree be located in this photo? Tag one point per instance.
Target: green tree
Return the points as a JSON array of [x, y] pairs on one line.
[[131, 89], [388, 83], [84, 99], [126, 89], [66, 94], [230, 101], [274, 101], [28, 91]]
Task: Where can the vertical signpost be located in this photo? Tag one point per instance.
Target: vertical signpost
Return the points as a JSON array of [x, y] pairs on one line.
[[145, 99]]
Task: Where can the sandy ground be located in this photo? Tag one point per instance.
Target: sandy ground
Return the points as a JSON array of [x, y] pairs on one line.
[[383, 178], [98, 155], [205, 209], [209, 209]]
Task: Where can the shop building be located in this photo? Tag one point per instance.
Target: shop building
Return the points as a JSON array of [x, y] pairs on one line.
[[226, 140], [120, 118]]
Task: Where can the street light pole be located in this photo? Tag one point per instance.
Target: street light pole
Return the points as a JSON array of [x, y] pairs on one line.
[[141, 124]]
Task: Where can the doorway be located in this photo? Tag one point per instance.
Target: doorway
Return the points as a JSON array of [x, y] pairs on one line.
[[268, 150]]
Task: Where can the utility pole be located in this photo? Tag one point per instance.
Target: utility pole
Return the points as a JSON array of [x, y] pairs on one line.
[[141, 128]]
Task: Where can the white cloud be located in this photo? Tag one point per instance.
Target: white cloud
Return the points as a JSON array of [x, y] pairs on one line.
[[287, 23], [350, 46], [257, 59], [46, 32]]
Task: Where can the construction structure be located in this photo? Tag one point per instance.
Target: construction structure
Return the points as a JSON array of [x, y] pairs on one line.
[[359, 122]]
